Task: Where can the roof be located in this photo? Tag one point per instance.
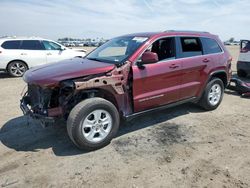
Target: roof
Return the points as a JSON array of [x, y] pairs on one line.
[[21, 38], [170, 33]]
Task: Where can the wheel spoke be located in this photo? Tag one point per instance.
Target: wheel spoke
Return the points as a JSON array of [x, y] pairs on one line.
[[97, 115], [103, 133], [105, 121], [91, 134]]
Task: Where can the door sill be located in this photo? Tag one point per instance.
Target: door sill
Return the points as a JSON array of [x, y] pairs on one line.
[[134, 115]]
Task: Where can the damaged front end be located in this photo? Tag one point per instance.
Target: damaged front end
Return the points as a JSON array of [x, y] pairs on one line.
[[40, 103], [51, 103]]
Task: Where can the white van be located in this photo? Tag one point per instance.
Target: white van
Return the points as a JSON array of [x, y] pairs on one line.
[[243, 64], [19, 54]]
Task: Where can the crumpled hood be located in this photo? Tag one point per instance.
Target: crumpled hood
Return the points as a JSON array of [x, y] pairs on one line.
[[52, 74]]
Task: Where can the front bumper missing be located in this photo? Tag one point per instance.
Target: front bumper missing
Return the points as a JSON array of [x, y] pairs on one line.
[[28, 111]]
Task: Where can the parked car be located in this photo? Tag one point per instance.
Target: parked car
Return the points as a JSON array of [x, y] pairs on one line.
[[128, 76], [243, 64], [17, 55]]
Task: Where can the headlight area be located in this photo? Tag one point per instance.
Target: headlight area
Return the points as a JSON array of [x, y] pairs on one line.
[[44, 102], [67, 87], [41, 102]]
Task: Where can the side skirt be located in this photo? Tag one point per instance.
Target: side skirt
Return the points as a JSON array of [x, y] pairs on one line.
[[137, 114]]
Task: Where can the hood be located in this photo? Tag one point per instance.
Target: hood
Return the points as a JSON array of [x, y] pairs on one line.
[[52, 74]]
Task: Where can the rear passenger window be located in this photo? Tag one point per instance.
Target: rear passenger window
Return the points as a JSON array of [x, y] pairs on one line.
[[191, 46], [210, 46], [12, 44], [31, 45]]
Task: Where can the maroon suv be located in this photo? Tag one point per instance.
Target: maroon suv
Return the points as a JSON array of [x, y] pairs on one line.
[[125, 77]]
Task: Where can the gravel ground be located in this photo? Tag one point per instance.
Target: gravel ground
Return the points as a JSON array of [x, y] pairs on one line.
[[179, 147]]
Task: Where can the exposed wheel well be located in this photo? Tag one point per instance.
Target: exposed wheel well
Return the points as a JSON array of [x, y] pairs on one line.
[[16, 60], [106, 95], [102, 93], [222, 76]]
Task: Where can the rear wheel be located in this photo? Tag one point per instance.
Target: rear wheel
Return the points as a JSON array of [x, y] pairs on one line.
[[212, 95], [241, 73], [17, 68], [93, 123]]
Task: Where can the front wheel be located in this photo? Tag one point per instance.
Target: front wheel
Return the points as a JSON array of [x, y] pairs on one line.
[[93, 123], [212, 95]]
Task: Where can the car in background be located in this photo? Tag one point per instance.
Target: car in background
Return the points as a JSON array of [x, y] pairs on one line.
[[243, 64], [234, 43], [17, 55]]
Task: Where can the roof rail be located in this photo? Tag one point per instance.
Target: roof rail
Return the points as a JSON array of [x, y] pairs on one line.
[[20, 37], [186, 31]]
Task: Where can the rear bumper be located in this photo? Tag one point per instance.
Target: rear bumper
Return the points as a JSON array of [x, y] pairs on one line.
[[244, 65]]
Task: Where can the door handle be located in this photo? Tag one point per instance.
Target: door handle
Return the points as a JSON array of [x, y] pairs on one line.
[[173, 66], [205, 60], [23, 54], [49, 53]]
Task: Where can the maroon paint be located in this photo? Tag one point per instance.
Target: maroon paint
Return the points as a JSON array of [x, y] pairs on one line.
[[52, 74], [155, 85]]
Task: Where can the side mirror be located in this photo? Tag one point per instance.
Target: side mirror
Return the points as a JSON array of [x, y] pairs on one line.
[[62, 48], [149, 57]]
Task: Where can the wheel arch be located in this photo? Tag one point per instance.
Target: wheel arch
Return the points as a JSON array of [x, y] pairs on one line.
[[102, 93], [221, 74], [17, 60]]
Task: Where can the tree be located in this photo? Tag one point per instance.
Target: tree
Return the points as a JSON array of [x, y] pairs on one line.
[[231, 39]]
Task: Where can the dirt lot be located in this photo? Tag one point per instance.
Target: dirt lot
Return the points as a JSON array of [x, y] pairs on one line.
[[178, 147]]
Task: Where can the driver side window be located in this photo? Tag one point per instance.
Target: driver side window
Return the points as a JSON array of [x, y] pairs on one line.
[[164, 48], [51, 45]]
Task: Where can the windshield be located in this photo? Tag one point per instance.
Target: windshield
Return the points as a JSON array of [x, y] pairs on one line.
[[117, 50]]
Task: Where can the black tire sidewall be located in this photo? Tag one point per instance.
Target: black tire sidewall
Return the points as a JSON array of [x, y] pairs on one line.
[[84, 111]]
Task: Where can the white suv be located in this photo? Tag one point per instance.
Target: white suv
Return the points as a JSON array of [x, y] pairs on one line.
[[19, 54]]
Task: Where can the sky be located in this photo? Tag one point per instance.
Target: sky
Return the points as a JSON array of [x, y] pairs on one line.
[[55, 19]]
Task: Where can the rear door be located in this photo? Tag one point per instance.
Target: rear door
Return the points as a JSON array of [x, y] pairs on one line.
[[159, 83], [194, 66], [244, 51], [32, 52]]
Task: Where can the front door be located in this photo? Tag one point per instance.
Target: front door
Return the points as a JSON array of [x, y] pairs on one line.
[[157, 84]]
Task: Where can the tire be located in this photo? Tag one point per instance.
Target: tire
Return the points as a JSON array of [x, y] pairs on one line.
[[17, 68], [86, 130], [212, 97], [241, 73]]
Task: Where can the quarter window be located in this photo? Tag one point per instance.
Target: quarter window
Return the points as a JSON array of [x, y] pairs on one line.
[[12, 44], [210, 46], [190, 46], [31, 45]]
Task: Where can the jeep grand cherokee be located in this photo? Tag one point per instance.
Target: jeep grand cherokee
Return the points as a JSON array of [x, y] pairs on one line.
[[125, 77]]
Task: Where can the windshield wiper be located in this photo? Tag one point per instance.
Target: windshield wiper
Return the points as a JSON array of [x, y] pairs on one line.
[[95, 59]]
